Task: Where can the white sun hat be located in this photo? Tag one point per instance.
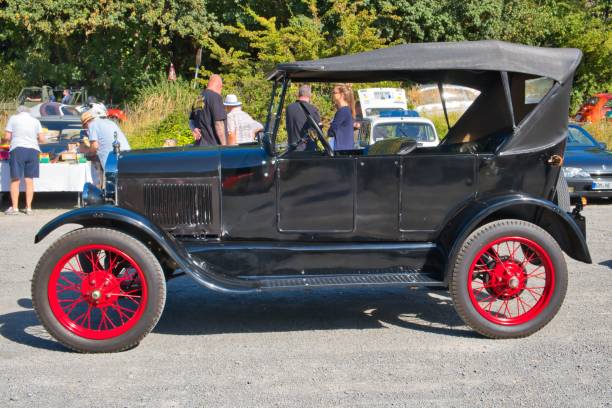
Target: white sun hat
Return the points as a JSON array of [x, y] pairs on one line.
[[231, 100]]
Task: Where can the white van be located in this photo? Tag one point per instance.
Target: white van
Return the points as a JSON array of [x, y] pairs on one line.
[[373, 101]]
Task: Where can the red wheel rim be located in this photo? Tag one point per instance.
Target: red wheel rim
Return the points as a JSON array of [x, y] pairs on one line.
[[511, 281], [97, 292]]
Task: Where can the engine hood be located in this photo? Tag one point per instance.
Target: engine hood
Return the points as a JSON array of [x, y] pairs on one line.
[[170, 162], [593, 160]]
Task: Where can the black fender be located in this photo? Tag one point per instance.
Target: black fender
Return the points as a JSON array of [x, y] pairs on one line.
[[560, 224], [140, 227]]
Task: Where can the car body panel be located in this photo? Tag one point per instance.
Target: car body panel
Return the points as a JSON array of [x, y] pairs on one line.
[[592, 159], [247, 217]]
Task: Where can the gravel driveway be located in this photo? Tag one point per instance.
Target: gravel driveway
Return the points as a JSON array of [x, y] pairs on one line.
[[397, 347]]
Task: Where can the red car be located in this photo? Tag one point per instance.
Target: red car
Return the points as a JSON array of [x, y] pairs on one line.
[[117, 114], [595, 108]]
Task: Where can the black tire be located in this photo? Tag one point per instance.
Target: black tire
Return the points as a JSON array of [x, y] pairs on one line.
[[470, 250], [151, 308], [562, 195]]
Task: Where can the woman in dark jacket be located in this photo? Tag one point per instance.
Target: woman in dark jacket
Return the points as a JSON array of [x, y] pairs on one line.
[[341, 128]]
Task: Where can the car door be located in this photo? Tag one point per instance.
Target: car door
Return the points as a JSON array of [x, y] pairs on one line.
[[433, 186], [316, 194]]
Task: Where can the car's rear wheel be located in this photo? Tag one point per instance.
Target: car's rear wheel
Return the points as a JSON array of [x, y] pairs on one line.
[[98, 290], [509, 279]]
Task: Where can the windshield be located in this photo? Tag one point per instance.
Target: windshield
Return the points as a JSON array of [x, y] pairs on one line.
[[576, 138], [69, 111], [377, 111], [421, 132]]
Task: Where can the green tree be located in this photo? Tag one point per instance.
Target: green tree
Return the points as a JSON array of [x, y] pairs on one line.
[[113, 46]]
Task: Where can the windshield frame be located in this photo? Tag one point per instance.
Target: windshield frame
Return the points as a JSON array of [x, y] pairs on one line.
[[585, 134]]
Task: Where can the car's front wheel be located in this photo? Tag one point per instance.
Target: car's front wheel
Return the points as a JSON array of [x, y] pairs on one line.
[[509, 279], [98, 290]]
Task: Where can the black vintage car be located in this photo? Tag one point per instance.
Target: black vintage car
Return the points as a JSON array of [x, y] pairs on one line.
[[476, 214]]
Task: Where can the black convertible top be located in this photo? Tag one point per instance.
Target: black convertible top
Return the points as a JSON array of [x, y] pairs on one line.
[[426, 61], [503, 118]]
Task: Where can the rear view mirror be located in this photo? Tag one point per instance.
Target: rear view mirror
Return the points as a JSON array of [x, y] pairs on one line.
[[603, 145]]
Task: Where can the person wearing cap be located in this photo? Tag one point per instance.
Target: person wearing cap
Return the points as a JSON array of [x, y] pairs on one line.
[[207, 120], [297, 124], [101, 132], [241, 127], [24, 132]]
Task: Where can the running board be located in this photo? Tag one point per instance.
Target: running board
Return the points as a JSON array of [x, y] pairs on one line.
[[360, 280]]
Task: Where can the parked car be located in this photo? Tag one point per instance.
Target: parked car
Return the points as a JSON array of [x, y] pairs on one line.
[[595, 108], [53, 109], [587, 165], [474, 214], [57, 117], [404, 124]]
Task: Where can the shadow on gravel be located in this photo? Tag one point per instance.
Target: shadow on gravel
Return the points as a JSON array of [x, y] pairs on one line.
[[24, 328], [607, 263], [192, 310]]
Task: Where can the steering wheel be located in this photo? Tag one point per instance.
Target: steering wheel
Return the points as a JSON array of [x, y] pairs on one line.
[[319, 132]]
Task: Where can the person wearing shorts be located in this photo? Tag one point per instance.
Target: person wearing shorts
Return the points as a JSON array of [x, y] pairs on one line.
[[24, 133]]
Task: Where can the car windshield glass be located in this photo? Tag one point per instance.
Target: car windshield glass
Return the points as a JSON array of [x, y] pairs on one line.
[[421, 132], [578, 139], [377, 111], [69, 111], [50, 109]]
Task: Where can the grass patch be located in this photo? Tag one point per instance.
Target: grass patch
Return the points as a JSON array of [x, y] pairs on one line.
[[439, 122], [602, 131], [160, 112]]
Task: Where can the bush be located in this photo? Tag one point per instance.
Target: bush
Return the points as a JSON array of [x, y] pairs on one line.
[[160, 111], [602, 131]]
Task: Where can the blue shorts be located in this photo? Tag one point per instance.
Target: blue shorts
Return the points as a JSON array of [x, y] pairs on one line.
[[24, 163]]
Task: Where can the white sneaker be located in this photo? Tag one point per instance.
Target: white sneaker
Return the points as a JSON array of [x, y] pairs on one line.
[[28, 211], [12, 211]]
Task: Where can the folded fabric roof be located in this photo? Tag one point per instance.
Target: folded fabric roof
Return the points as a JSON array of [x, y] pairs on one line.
[[425, 62]]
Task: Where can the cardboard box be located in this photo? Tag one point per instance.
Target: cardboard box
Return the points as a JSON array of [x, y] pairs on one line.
[[68, 156]]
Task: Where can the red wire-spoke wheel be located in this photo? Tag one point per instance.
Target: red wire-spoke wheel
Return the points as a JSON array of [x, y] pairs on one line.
[[512, 280], [97, 292], [509, 279]]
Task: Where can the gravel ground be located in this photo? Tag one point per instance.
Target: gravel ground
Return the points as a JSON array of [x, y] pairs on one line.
[[397, 347]]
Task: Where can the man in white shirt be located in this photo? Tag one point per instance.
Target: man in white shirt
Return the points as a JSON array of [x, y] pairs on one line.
[[24, 133], [101, 133], [241, 127]]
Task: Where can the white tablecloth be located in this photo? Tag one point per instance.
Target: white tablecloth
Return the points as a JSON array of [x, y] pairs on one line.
[[53, 177]]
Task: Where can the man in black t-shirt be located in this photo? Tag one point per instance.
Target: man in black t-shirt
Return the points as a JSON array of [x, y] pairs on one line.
[[296, 121], [207, 120]]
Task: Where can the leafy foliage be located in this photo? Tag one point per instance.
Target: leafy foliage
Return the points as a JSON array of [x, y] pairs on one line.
[[118, 48], [112, 46]]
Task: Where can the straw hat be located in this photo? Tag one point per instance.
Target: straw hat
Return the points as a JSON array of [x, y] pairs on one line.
[[232, 100], [87, 117]]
